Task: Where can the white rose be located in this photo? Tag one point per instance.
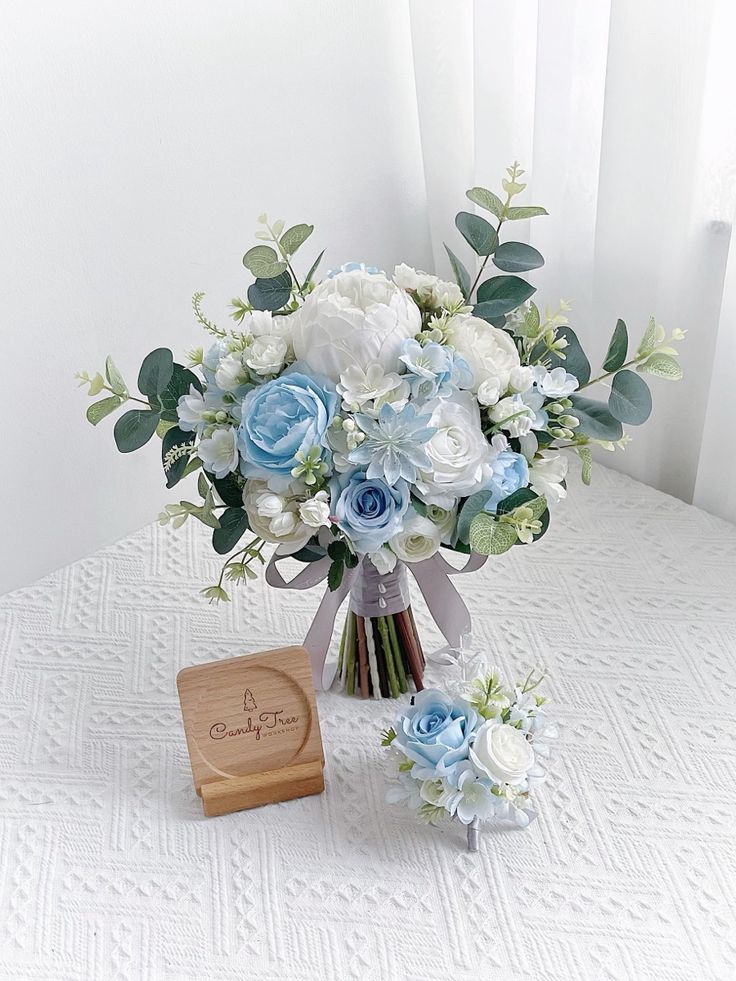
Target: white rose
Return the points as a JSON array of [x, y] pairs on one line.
[[460, 454], [219, 452], [502, 753], [419, 539], [316, 511], [384, 560], [267, 354], [489, 351], [230, 373], [444, 518], [269, 504], [354, 318], [284, 528], [546, 473]]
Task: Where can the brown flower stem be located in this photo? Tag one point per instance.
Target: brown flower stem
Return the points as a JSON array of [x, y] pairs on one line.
[[416, 637], [350, 652], [411, 646], [363, 658]]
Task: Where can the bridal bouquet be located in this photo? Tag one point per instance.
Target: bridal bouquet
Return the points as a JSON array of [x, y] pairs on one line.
[[472, 758], [359, 424]]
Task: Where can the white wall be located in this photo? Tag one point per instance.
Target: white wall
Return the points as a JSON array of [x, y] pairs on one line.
[[140, 140]]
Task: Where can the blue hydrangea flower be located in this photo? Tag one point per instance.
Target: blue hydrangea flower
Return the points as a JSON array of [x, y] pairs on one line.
[[368, 511], [510, 473], [351, 267], [435, 733], [393, 446], [281, 419]]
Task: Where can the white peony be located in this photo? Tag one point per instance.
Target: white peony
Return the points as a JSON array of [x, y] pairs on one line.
[[284, 528], [354, 318], [384, 560], [546, 473], [460, 454], [429, 289], [502, 753], [489, 351], [219, 452], [267, 354], [315, 512], [230, 373], [419, 539]]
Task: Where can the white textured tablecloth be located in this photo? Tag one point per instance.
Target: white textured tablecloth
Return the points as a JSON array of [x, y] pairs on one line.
[[109, 870]]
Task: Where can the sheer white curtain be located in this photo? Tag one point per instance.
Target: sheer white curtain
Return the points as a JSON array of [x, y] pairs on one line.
[[621, 112]]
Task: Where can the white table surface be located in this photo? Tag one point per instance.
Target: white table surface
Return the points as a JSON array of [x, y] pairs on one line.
[[109, 870]]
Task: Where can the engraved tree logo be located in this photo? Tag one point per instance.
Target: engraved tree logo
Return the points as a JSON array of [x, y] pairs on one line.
[[249, 703]]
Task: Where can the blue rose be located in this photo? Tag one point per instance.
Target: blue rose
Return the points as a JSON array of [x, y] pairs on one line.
[[368, 511], [282, 418], [510, 473], [436, 733]]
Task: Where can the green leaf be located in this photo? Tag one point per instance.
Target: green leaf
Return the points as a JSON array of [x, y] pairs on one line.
[[526, 496], [537, 505], [270, 294], [229, 490], [233, 525], [461, 274], [617, 349], [650, 337], [477, 232], [337, 550], [575, 360], [662, 366], [156, 371], [294, 237], [595, 419], [473, 505], [518, 214], [630, 400], [175, 454], [181, 380], [486, 199], [203, 487], [134, 429], [500, 295], [313, 270], [586, 458], [163, 427], [114, 378], [98, 410], [335, 574], [515, 257], [263, 261], [310, 553], [490, 537]]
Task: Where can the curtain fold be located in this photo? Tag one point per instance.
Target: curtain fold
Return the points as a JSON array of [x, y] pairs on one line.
[[621, 114]]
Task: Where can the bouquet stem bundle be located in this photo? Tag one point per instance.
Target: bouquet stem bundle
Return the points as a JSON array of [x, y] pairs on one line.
[[380, 656]]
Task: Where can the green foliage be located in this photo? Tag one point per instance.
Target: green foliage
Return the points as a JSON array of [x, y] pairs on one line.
[[500, 295], [473, 505], [572, 358], [233, 525], [313, 269], [661, 366], [181, 380], [99, 410], [513, 257], [310, 553], [388, 736], [595, 419], [525, 497], [342, 558], [617, 349], [294, 237], [156, 371], [630, 400], [586, 458], [134, 429], [270, 294], [477, 232], [114, 378], [486, 199], [263, 262], [229, 489], [461, 274], [489, 536], [519, 214], [176, 452]]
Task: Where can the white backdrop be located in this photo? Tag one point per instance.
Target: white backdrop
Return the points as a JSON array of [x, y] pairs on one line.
[[140, 140]]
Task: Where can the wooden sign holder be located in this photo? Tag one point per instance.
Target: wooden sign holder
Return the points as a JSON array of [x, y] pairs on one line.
[[252, 729]]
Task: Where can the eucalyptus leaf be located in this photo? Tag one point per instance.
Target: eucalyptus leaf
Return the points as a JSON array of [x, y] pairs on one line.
[[134, 429], [163, 427], [525, 496], [575, 359], [472, 506], [270, 294], [114, 378], [586, 459], [181, 381], [156, 371], [99, 410], [229, 489], [175, 454], [630, 400], [515, 257], [500, 295], [478, 233], [461, 274], [662, 366], [310, 553], [203, 486], [486, 199], [489, 536], [618, 348], [314, 267], [595, 419], [518, 214], [294, 237], [263, 261], [233, 525]]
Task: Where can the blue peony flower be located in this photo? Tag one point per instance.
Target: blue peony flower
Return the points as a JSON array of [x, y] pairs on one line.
[[281, 419], [368, 511], [510, 473], [435, 732], [393, 446]]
